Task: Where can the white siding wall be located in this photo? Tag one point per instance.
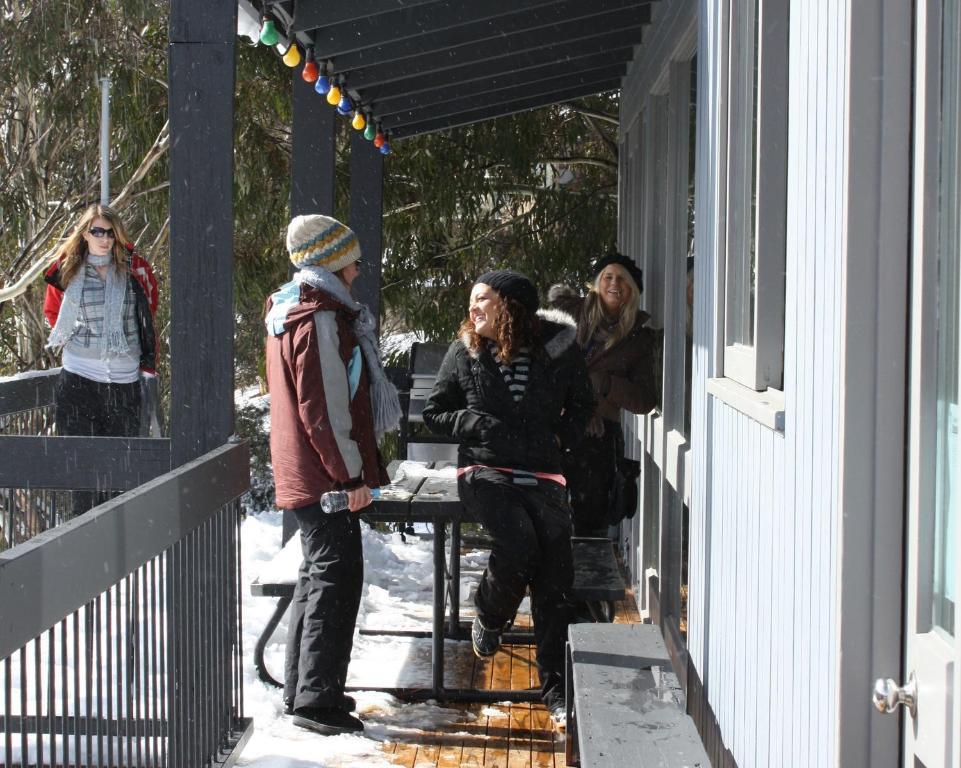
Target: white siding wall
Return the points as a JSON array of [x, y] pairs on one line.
[[764, 505]]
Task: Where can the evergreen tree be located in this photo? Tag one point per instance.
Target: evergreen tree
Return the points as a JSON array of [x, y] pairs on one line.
[[536, 191]]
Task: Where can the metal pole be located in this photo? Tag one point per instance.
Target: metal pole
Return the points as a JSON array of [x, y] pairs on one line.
[[104, 140]]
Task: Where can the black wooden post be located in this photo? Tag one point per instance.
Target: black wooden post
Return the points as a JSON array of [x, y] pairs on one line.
[[201, 108], [366, 216], [313, 160], [312, 154]]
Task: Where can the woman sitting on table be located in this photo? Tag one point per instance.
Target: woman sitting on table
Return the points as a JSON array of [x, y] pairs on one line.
[[513, 389]]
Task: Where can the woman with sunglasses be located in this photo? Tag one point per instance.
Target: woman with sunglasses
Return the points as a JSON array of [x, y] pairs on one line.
[[100, 302]]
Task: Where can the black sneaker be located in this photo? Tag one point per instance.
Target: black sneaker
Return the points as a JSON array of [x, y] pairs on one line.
[[485, 641], [347, 704], [328, 721]]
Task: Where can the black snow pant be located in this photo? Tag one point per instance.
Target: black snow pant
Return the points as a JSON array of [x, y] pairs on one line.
[[88, 408], [589, 470], [323, 612], [530, 528]]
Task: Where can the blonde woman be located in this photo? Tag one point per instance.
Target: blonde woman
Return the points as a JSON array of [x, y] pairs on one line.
[[619, 352], [100, 303]]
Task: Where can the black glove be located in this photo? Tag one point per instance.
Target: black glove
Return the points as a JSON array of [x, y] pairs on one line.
[[479, 427]]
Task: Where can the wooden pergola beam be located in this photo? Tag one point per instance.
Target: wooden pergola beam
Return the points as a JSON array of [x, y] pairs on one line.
[[511, 86], [500, 110], [554, 43], [527, 26]]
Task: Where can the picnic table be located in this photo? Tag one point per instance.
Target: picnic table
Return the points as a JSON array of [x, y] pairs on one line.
[[418, 496]]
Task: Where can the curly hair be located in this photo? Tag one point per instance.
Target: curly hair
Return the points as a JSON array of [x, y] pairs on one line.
[[515, 327], [74, 250]]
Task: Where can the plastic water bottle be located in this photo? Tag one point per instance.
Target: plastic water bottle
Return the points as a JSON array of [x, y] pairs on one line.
[[336, 501]]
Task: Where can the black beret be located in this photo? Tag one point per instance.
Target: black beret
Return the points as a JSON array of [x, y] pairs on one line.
[[513, 285], [623, 261]]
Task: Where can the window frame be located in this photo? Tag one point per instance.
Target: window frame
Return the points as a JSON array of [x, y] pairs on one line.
[[759, 364]]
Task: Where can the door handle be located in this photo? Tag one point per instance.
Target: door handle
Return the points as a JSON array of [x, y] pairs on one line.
[[888, 695]]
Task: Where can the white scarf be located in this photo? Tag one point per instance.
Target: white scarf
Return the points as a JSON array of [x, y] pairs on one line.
[[113, 341], [383, 395]]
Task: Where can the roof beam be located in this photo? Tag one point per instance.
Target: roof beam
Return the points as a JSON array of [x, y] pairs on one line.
[[500, 110], [334, 39], [311, 14], [588, 54], [557, 92], [525, 26], [533, 81], [557, 37]]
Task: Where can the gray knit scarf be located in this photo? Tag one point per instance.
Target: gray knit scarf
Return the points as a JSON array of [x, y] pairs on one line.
[[113, 341], [383, 395]]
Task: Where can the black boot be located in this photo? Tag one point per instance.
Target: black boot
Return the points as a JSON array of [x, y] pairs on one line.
[[347, 704], [328, 721], [485, 641]]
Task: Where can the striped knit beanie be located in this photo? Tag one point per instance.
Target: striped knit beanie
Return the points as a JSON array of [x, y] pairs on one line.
[[315, 240]]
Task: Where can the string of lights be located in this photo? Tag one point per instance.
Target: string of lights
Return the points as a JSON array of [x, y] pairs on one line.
[[332, 86]]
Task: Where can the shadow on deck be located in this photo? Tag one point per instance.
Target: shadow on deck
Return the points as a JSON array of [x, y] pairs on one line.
[[495, 735]]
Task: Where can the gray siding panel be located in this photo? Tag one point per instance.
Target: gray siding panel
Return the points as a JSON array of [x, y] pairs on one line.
[[764, 524]]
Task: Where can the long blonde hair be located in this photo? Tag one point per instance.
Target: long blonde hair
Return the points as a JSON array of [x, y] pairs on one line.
[[74, 249], [593, 313]]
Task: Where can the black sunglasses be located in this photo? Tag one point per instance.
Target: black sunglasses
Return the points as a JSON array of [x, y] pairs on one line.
[[100, 232]]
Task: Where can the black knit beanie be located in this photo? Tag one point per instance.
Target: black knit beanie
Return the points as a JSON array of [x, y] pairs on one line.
[[622, 261], [512, 285]]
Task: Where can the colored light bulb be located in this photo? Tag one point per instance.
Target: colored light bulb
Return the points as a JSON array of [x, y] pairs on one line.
[[358, 122], [344, 106], [379, 140], [268, 33], [310, 71], [333, 95], [292, 57], [370, 132], [322, 85], [385, 148]]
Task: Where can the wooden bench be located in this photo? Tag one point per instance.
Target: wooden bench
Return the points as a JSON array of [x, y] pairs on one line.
[[625, 706]]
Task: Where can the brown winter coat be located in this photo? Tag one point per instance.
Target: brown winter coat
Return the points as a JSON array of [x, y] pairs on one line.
[[624, 375], [321, 438]]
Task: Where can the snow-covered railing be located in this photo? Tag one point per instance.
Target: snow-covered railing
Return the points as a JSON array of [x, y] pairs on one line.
[[120, 642], [27, 402]]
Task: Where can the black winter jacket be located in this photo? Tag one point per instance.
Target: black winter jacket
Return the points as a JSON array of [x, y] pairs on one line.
[[471, 402]]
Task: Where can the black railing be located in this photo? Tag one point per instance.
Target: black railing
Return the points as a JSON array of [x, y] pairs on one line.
[[120, 641], [39, 470], [27, 408]]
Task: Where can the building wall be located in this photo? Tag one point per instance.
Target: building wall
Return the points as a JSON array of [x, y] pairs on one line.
[[764, 520]]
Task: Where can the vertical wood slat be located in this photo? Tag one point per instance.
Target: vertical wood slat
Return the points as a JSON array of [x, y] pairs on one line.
[[201, 108], [366, 216], [762, 500], [312, 151]]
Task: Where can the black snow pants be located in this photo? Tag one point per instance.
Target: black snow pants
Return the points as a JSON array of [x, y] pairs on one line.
[[530, 528], [589, 470], [323, 612], [88, 408]]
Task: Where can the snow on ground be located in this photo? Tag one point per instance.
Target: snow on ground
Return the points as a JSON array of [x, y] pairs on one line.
[[397, 595]]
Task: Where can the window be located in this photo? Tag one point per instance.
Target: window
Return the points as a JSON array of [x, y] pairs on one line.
[[756, 193]]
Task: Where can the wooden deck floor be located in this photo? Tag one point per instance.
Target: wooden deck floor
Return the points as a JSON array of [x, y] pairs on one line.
[[494, 735]]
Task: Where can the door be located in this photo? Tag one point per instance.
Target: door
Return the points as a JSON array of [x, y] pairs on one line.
[[930, 689]]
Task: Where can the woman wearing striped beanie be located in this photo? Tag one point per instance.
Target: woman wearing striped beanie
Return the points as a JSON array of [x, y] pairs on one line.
[[330, 402]]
